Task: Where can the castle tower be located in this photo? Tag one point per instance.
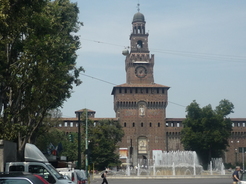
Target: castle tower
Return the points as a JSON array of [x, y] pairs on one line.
[[140, 104]]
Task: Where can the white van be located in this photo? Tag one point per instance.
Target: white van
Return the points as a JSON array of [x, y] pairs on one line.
[[36, 162]]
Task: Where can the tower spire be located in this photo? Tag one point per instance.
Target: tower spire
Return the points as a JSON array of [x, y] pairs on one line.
[[138, 7]]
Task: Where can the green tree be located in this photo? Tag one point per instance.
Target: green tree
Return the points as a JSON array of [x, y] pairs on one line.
[[102, 142], [38, 45], [206, 131], [103, 139]]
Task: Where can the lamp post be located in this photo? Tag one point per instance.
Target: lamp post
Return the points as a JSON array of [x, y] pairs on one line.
[[243, 157], [86, 143], [235, 149], [236, 155], [78, 113]]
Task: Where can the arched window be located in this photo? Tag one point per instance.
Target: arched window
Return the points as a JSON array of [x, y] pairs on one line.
[[139, 44]]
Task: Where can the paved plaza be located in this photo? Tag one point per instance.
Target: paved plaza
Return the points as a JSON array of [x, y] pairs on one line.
[[168, 181]]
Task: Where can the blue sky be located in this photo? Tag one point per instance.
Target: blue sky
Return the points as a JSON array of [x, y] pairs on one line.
[[199, 49]]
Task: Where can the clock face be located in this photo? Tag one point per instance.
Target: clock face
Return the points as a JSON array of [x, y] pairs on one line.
[[141, 71]]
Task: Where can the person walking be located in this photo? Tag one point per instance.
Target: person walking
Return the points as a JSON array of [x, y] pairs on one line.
[[105, 177], [235, 175]]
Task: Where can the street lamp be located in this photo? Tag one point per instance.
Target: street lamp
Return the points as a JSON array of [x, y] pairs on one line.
[[236, 155], [235, 149], [78, 114], [86, 143]]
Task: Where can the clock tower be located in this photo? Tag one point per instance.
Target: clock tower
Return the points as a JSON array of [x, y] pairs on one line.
[[140, 104], [139, 64]]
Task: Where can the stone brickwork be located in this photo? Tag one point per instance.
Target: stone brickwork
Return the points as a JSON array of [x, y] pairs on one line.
[[140, 104], [171, 128]]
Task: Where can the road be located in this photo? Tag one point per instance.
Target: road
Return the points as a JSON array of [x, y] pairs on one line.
[[167, 181]]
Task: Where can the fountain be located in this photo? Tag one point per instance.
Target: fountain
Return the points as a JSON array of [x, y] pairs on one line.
[[216, 166], [175, 163]]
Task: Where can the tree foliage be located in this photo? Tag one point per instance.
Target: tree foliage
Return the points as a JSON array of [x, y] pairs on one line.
[[103, 143], [206, 131], [37, 53]]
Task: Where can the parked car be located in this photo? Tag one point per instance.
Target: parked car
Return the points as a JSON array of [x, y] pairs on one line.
[[82, 179], [75, 175], [242, 179], [22, 178]]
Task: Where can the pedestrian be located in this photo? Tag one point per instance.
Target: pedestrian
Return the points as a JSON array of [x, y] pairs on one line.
[[105, 177], [235, 175]]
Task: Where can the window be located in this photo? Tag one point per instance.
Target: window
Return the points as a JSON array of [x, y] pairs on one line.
[[71, 124], [16, 168], [166, 124], [60, 125], [159, 124], [178, 125], [243, 124], [139, 43], [133, 124], [125, 124], [150, 124], [65, 124], [39, 170], [141, 124]]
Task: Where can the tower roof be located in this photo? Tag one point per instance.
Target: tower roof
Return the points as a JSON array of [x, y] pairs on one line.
[[138, 17]]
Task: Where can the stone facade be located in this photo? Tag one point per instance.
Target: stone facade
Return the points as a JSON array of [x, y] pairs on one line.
[[168, 138], [140, 104]]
